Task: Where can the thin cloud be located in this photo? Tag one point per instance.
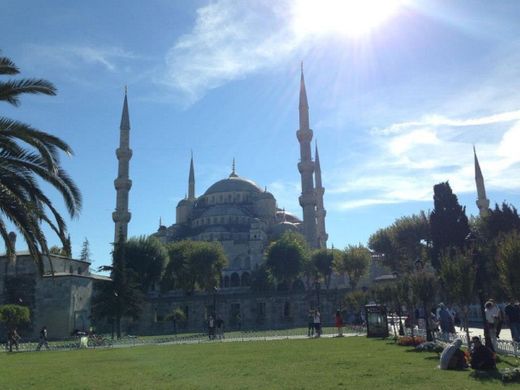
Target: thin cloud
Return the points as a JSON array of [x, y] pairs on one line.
[[424, 152], [73, 56], [230, 40], [438, 120]]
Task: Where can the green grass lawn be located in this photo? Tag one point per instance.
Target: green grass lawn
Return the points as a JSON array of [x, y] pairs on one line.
[[350, 362]]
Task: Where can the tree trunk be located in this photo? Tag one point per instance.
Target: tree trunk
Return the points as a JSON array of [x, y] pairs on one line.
[[118, 327], [429, 336], [466, 325]]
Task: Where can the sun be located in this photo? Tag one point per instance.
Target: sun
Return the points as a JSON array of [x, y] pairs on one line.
[[352, 18]]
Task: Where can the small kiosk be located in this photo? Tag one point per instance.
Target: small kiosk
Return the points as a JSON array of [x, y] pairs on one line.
[[377, 320]]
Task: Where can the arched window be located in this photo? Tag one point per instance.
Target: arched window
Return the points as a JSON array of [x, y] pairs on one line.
[[246, 279], [226, 281], [235, 280]]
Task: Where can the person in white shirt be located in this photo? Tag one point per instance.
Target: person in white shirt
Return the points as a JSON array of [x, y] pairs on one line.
[[492, 317]]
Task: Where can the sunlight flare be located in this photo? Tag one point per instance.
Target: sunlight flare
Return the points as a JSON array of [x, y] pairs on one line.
[[352, 18]]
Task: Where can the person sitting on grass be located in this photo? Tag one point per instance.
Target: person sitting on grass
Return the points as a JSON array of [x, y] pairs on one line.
[[452, 358], [482, 358]]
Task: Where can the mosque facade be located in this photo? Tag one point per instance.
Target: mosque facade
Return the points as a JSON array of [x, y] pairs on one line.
[[235, 211]]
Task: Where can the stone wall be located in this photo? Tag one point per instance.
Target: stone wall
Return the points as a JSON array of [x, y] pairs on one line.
[[61, 302], [239, 308]]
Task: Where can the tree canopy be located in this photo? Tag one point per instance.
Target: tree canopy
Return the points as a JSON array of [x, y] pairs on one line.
[[146, 256], [14, 315], [402, 242], [286, 257], [508, 262], [449, 225], [85, 250], [193, 265], [122, 297], [354, 263], [27, 156]]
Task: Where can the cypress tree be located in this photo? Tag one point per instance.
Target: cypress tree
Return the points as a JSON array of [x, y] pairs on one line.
[[448, 222]]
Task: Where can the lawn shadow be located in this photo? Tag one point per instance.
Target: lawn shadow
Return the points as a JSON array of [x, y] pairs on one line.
[[486, 376]]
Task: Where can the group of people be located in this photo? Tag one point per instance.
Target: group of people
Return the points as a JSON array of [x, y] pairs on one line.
[[444, 319], [13, 337], [215, 328], [480, 356], [495, 319], [314, 323]]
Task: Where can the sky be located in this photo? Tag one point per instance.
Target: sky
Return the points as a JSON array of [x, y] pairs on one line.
[[399, 92]]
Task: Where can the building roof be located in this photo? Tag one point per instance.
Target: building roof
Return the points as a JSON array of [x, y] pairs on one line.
[[233, 184]]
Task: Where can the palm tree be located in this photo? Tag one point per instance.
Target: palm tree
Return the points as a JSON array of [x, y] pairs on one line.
[[27, 157]]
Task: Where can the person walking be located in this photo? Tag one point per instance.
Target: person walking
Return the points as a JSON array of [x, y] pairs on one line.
[[512, 314], [339, 323], [317, 323], [220, 328], [445, 320], [43, 339], [310, 324], [211, 328], [12, 338]]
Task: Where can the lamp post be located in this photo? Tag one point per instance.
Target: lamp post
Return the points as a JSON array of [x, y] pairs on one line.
[[215, 290], [473, 241]]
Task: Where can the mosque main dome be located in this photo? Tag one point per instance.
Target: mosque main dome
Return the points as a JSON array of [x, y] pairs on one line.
[[233, 183]]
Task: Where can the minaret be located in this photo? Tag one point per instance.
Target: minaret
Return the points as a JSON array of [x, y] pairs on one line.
[[191, 181], [306, 167], [320, 210], [482, 201], [121, 215]]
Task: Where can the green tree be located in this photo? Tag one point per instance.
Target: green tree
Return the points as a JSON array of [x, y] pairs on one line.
[[261, 279], [322, 260], [28, 156], [146, 257], [423, 285], [65, 251], [120, 298], [193, 265], [178, 317], [406, 297], [354, 263], [286, 258], [177, 273], [500, 220], [508, 261], [402, 242], [14, 315], [449, 225], [457, 277], [85, 250], [355, 302], [207, 260]]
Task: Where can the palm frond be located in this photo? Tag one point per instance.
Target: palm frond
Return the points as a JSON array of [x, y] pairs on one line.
[[8, 67], [10, 90]]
